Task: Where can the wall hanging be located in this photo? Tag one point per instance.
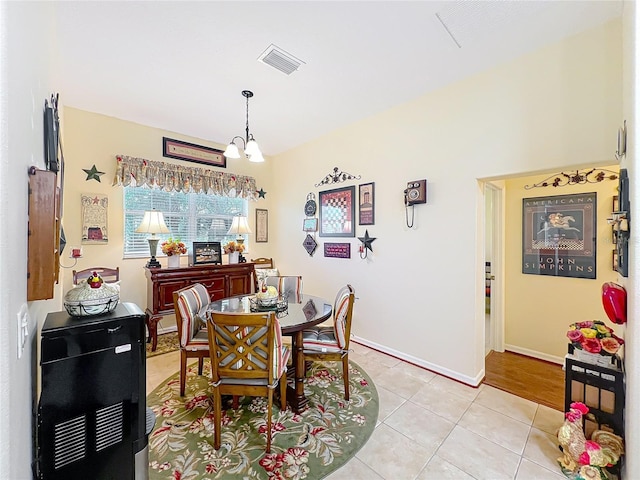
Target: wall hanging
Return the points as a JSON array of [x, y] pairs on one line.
[[337, 177], [261, 193], [337, 250], [191, 152], [562, 179], [262, 225], [94, 218], [366, 244], [559, 235], [310, 244], [337, 211], [92, 173], [366, 204], [621, 225]]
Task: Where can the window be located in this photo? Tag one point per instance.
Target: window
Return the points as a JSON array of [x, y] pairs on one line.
[[191, 217]]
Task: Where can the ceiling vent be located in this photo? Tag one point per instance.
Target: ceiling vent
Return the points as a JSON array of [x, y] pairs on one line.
[[280, 60]]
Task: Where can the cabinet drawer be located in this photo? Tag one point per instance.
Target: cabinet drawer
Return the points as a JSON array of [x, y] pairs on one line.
[[213, 284]]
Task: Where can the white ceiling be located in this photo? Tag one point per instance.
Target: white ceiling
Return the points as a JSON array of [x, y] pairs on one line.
[[181, 65]]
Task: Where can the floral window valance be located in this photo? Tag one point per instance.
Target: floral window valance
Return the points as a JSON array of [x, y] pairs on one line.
[[138, 172]]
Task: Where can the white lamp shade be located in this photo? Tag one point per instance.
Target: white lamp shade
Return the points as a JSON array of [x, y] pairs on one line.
[[239, 226], [153, 222], [232, 151], [252, 148], [256, 157]]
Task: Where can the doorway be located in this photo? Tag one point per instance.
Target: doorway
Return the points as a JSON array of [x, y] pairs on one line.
[[494, 215]]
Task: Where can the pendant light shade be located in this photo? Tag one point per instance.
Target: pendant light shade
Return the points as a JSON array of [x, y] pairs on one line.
[[249, 145]]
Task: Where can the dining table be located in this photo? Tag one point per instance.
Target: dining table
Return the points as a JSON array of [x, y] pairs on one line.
[[294, 316]]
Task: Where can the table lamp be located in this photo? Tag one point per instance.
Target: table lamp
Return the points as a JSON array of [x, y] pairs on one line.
[[239, 226], [153, 222]]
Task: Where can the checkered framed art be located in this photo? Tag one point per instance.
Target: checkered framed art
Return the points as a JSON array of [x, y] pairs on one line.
[[337, 212]]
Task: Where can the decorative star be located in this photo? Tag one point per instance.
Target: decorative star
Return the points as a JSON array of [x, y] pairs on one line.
[[367, 241], [261, 193], [93, 173]]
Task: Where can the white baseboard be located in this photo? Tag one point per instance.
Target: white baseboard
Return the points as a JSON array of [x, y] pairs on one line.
[[472, 381], [170, 329], [534, 354]]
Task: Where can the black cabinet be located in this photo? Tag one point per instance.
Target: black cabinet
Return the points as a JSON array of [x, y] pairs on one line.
[[92, 410]]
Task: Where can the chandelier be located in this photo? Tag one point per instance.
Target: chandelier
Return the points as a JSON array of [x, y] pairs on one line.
[[249, 145]]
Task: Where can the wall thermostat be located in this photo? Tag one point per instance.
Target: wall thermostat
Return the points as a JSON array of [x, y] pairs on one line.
[[416, 192]]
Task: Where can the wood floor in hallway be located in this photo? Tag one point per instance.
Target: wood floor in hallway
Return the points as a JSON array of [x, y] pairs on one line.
[[536, 380]]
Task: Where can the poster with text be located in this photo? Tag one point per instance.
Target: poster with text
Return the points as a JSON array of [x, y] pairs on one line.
[[559, 235]]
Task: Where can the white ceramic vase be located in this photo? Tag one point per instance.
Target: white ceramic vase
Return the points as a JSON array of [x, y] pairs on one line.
[[173, 261], [233, 257]]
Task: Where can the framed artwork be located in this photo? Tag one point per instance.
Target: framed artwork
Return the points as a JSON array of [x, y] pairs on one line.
[[310, 225], [337, 212], [337, 250], [193, 153], [262, 225], [559, 235], [95, 209], [206, 252], [366, 204]]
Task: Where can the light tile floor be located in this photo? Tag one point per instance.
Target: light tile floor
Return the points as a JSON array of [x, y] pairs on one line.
[[433, 428]]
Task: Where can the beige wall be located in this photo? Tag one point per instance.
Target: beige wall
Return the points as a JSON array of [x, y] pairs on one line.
[[91, 139], [420, 295], [539, 308]]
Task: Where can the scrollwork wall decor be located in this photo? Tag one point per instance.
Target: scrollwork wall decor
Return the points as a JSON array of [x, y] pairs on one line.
[[337, 177], [562, 179]]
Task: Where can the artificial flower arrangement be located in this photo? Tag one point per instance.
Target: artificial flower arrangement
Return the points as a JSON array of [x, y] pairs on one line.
[[594, 336], [173, 247], [233, 246], [582, 458]]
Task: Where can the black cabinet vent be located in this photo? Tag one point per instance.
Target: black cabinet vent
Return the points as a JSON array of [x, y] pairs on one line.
[[70, 441], [109, 426]]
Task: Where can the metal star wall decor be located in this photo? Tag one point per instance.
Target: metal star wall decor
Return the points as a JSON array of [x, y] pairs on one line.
[[366, 244], [261, 193], [93, 173]]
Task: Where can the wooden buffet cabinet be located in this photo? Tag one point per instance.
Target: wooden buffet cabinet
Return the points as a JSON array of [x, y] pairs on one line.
[[220, 280]]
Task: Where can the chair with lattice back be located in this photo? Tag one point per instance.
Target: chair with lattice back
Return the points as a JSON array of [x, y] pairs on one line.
[[247, 358]]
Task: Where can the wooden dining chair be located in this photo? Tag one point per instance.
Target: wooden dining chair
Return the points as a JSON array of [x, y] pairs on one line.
[[247, 358], [332, 343], [288, 286], [190, 305], [262, 267], [109, 275]]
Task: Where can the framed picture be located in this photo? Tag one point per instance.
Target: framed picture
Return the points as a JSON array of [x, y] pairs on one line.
[[206, 252], [193, 153], [337, 250], [337, 212], [366, 204], [559, 235], [262, 225], [310, 225], [95, 212]]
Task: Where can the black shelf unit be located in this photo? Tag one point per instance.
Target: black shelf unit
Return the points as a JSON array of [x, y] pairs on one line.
[[602, 389], [92, 414]]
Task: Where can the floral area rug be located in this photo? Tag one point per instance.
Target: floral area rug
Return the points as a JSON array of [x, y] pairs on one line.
[[309, 445], [167, 342]]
